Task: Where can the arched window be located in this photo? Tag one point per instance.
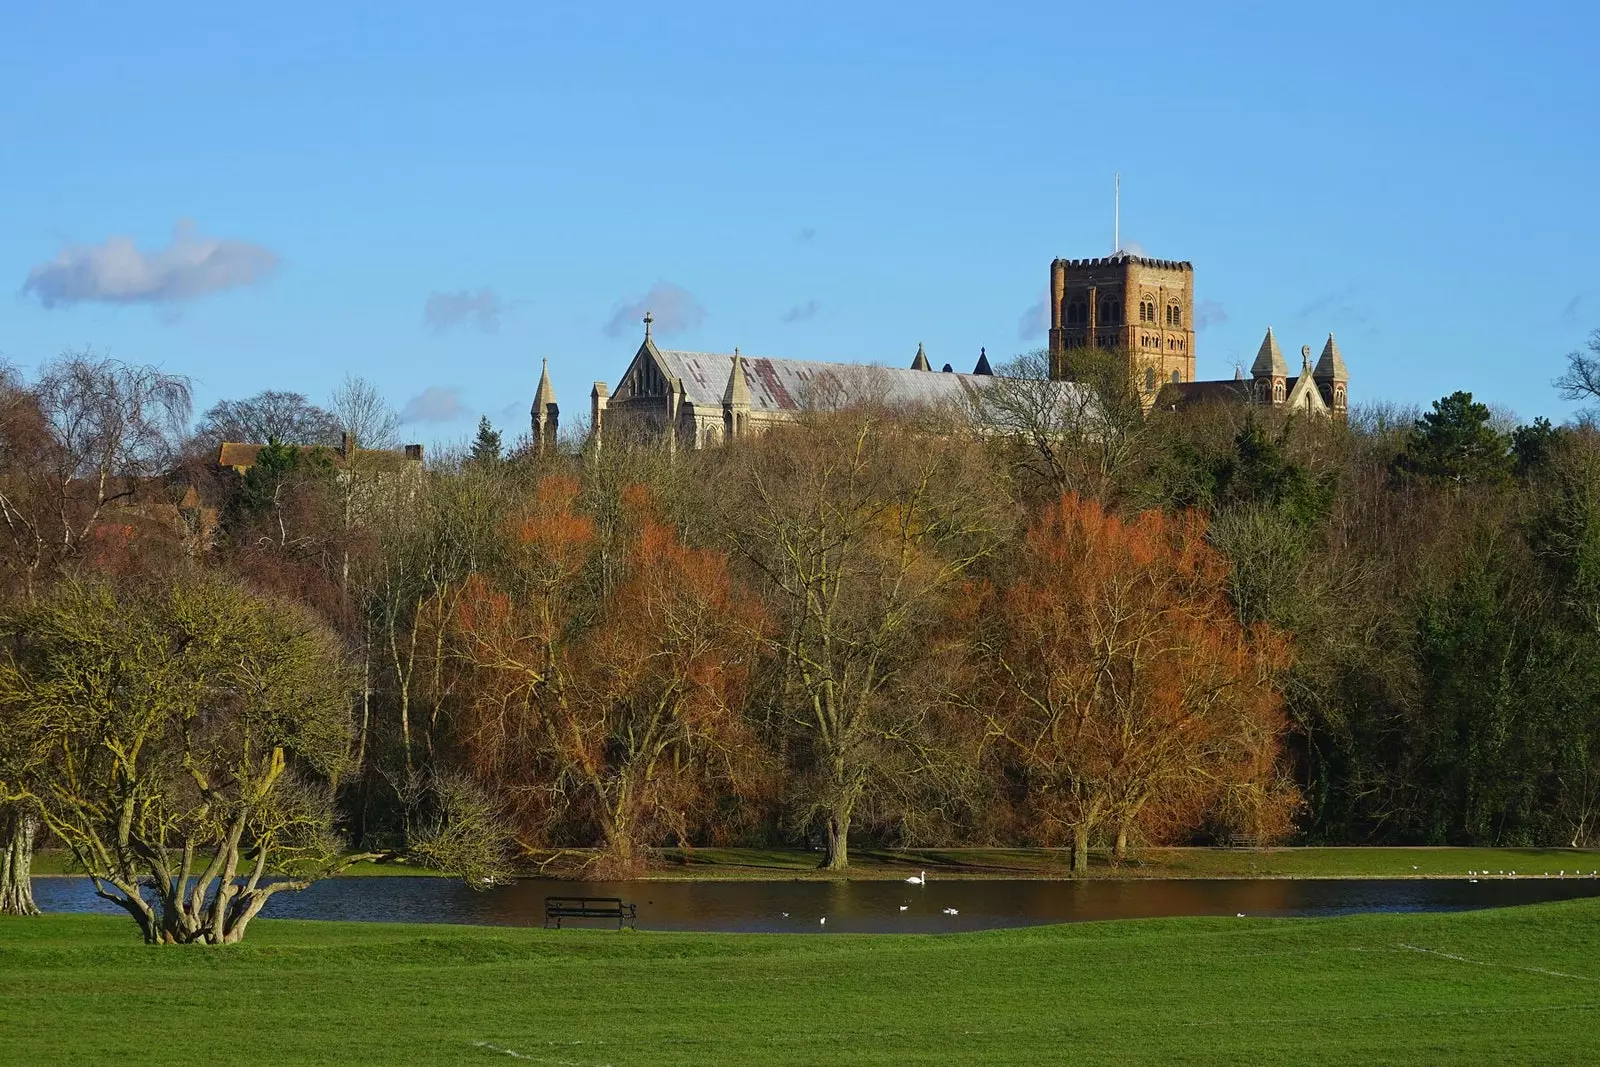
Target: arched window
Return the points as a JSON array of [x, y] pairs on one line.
[[1277, 392], [1176, 377], [1177, 315], [1149, 379]]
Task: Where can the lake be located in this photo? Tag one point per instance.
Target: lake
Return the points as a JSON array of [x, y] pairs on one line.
[[872, 906]]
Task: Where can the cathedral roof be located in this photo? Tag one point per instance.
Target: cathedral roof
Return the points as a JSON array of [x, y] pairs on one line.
[[1269, 359], [792, 384], [1330, 365]]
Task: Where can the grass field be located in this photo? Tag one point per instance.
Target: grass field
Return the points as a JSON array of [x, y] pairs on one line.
[[749, 863], [1512, 986]]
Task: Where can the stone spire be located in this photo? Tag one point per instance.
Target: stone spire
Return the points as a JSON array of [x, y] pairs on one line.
[[737, 394], [983, 363], [735, 401], [546, 414], [1269, 359], [1330, 365], [921, 362]]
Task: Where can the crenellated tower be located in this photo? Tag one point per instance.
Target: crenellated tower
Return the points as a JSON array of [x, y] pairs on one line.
[[1139, 307]]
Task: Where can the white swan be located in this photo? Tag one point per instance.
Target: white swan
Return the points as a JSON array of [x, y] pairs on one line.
[[920, 878], [822, 921], [951, 911], [903, 907]]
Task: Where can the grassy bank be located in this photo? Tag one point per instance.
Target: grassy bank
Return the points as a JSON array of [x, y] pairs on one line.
[[1512, 986], [751, 863]]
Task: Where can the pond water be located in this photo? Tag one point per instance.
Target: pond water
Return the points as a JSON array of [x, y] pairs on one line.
[[871, 907]]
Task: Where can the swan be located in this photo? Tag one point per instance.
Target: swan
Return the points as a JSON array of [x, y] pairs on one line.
[[822, 921], [920, 878], [903, 907], [951, 911]]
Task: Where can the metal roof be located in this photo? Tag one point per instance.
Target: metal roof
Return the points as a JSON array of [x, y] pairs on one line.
[[789, 384]]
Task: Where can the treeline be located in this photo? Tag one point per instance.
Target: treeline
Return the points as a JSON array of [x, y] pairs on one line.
[[1052, 619]]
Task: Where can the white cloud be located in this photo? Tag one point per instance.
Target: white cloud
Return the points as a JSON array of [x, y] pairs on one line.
[[1209, 313], [481, 309], [1035, 321], [802, 312], [436, 403], [672, 308], [116, 271]]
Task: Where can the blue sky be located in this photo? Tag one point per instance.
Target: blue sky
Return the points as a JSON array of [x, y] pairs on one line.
[[437, 197]]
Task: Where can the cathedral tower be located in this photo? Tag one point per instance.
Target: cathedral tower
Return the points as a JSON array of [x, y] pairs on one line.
[[1142, 308]]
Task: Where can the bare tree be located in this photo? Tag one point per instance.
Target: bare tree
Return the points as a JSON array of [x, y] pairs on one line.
[[1081, 436], [1581, 379], [862, 528], [270, 415]]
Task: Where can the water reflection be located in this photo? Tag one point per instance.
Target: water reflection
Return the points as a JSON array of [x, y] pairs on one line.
[[869, 907]]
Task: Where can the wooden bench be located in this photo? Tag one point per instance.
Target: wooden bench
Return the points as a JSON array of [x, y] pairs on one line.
[[1250, 842], [558, 908]]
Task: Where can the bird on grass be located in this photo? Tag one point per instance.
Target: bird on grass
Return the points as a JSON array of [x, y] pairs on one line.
[[920, 878], [1241, 915]]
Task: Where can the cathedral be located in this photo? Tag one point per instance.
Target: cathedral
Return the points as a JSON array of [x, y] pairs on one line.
[[1143, 309], [1139, 310]]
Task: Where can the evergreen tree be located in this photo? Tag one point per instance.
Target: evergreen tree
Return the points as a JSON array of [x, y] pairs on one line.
[[1457, 442], [486, 446]]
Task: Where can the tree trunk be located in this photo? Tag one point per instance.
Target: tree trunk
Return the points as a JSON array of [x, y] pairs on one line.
[[1119, 851], [16, 864], [1080, 848], [837, 854]]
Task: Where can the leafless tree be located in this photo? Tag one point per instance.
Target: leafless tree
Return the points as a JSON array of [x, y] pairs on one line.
[[271, 415]]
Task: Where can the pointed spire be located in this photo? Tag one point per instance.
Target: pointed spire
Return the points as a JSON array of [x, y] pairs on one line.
[[1269, 360], [947, 369], [545, 394], [1330, 365], [1238, 372], [983, 363], [921, 362], [737, 394]]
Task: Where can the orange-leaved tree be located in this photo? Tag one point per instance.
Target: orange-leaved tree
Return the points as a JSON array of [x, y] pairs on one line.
[[514, 629], [652, 726], [1131, 696]]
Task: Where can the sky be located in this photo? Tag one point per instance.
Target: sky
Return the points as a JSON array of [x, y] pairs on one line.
[[439, 197]]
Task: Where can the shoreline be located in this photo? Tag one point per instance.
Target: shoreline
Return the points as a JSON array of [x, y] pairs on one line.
[[1300, 863]]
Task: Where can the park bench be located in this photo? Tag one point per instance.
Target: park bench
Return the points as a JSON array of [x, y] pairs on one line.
[[558, 908], [1252, 842]]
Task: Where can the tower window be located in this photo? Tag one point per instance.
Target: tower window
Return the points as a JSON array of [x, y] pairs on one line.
[[1149, 379], [1176, 377], [1175, 313]]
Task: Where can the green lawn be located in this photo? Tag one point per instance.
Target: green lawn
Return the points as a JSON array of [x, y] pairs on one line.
[[753, 863], [1512, 986]]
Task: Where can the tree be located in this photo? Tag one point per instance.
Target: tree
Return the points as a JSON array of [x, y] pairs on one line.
[[271, 488], [1581, 380], [1457, 442], [1130, 696], [272, 415], [654, 713], [1087, 435], [861, 527], [82, 455], [486, 445], [213, 742]]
